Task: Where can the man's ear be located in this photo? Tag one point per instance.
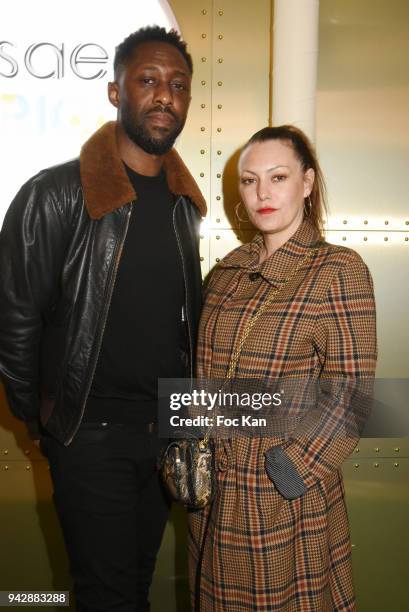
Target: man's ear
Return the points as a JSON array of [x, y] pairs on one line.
[[309, 177], [113, 93]]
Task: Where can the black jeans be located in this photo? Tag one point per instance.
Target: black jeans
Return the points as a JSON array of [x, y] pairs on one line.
[[112, 511]]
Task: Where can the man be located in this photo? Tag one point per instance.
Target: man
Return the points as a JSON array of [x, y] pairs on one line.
[[100, 296]]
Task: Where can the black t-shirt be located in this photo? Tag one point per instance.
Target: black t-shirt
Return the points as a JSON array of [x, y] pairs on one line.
[[143, 333]]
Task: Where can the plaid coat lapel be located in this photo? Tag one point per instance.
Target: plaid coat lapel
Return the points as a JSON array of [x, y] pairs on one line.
[[277, 268]]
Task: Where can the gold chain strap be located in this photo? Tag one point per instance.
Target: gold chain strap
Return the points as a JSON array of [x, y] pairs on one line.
[[263, 307], [250, 324]]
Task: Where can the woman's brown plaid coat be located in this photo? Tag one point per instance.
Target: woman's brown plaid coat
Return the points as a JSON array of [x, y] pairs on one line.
[[252, 549]]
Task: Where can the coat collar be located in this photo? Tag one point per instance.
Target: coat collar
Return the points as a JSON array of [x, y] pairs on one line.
[[280, 264], [105, 181]]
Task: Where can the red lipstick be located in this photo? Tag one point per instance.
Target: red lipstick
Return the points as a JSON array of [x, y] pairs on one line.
[[267, 210]]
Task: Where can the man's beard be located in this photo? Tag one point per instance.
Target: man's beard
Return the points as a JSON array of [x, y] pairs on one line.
[[139, 134]]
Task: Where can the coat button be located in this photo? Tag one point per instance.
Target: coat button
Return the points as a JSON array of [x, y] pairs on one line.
[[254, 276]]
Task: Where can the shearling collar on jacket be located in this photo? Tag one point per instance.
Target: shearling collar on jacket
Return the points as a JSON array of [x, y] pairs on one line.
[[105, 181]]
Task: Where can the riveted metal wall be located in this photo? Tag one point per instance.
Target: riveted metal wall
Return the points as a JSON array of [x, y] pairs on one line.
[[230, 100], [363, 143]]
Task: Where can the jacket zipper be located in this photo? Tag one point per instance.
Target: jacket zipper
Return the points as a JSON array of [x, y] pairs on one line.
[[186, 290], [99, 342]]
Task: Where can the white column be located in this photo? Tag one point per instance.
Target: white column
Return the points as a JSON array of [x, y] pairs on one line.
[[295, 55]]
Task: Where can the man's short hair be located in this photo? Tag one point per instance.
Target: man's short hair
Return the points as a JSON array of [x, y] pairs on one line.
[[125, 50]]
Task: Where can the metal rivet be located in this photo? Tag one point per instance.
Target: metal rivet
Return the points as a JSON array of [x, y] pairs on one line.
[[376, 449], [219, 152], [219, 175], [406, 239], [353, 545], [220, 83], [203, 35], [202, 174], [365, 238], [204, 12], [219, 106], [357, 450], [203, 82], [202, 259], [217, 237], [220, 13], [202, 129], [386, 222], [406, 222], [217, 220], [202, 151], [217, 259], [220, 60], [365, 222], [220, 37], [356, 465], [376, 464], [396, 449], [219, 129], [345, 222], [6, 467], [203, 59], [6, 452], [344, 237], [386, 239], [218, 198], [201, 237], [203, 106], [28, 467], [396, 464]]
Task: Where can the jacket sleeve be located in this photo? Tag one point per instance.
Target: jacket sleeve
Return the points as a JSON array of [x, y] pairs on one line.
[[345, 340], [32, 244]]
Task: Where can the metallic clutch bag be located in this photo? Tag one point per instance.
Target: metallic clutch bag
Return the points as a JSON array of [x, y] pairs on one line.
[[187, 469]]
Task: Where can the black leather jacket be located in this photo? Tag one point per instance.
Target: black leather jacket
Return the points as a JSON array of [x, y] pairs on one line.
[[60, 247]]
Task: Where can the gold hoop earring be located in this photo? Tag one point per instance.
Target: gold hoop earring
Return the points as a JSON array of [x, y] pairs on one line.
[[236, 208], [307, 206]]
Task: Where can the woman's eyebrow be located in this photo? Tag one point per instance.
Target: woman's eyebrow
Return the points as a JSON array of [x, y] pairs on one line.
[[268, 169], [278, 166]]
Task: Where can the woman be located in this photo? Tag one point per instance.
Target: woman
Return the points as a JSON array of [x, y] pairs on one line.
[[276, 536]]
